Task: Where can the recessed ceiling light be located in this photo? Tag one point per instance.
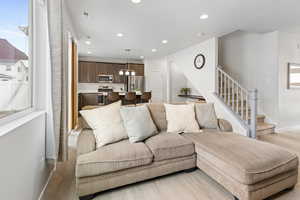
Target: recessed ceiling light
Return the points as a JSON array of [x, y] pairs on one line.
[[204, 16], [164, 41], [89, 52], [88, 42], [154, 50], [136, 1], [142, 57], [120, 34]]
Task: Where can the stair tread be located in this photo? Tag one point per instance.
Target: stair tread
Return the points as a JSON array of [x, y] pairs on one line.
[[264, 126], [260, 116]]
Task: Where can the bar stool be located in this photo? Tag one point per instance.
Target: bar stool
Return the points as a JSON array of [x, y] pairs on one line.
[[113, 97], [146, 97], [130, 98]]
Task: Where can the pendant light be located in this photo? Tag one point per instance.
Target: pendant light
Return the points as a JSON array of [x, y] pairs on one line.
[[127, 72]]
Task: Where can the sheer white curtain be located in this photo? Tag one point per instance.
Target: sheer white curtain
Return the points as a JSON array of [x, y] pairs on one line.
[[58, 87]]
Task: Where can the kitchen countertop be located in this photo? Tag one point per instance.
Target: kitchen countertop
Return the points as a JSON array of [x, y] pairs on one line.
[[106, 93]]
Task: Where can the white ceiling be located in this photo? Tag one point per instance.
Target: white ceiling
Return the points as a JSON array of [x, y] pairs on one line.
[[146, 24]]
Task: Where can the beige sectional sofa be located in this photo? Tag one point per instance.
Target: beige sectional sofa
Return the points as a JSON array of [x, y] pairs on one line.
[[249, 169]]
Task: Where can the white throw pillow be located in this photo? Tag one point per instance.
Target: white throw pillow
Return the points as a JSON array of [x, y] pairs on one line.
[[138, 123], [181, 118], [106, 123]]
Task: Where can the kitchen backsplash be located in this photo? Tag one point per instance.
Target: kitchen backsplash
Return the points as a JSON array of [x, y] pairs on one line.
[[93, 87]]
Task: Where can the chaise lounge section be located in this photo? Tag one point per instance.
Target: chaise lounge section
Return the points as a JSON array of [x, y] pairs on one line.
[[249, 169]]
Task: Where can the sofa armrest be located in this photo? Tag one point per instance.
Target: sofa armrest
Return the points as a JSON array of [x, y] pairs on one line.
[[224, 125], [86, 142]]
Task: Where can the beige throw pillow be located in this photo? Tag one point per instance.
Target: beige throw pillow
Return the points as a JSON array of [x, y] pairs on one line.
[[106, 123], [181, 118], [206, 115]]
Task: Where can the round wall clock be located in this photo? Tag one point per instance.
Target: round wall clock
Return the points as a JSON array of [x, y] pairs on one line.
[[199, 61]]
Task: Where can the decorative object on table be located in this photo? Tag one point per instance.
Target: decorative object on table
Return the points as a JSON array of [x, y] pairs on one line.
[[199, 61], [185, 91], [293, 76]]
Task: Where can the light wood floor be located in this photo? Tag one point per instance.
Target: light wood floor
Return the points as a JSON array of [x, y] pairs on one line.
[[180, 186]]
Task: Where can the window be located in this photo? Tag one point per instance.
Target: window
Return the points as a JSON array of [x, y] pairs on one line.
[[293, 76], [16, 85]]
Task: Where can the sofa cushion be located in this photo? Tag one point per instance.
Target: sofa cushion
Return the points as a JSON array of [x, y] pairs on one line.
[[113, 157], [158, 113], [169, 145], [246, 160]]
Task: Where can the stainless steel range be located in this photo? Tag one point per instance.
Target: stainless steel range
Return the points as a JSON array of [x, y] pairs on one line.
[[102, 94]]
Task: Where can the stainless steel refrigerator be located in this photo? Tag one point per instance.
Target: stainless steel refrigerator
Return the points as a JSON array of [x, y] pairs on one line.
[[135, 83]]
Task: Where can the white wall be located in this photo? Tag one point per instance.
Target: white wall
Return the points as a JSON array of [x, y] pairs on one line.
[[202, 81], [177, 81], [261, 61], [251, 59], [289, 106], [23, 169], [68, 25]]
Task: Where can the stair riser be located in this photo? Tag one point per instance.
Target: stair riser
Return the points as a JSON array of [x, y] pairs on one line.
[[266, 131], [260, 120]]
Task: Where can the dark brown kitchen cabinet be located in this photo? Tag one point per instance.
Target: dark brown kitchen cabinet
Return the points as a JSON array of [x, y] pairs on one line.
[[87, 99], [138, 68], [116, 69], [87, 72], [101, 68]]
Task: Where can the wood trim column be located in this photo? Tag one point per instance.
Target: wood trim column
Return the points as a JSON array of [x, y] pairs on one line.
[[74, 83]]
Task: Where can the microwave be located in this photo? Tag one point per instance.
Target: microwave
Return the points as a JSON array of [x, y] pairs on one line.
[[105, 78]]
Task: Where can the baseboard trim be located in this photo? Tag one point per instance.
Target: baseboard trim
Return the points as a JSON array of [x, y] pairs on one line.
[[47, 182], [288, 128]]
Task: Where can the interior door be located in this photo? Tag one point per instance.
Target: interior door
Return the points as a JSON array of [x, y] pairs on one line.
[[155, 84]]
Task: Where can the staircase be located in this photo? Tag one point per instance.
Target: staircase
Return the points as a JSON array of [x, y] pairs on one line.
[[263, 127], [243, 103]]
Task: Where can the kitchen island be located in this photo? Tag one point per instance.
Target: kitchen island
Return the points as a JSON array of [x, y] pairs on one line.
[[89, 98]]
